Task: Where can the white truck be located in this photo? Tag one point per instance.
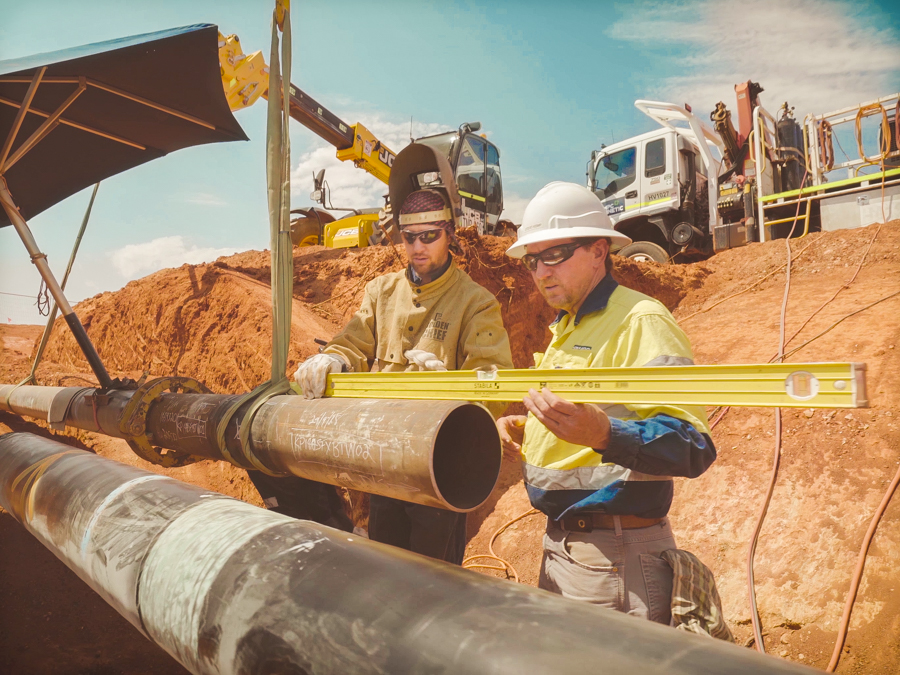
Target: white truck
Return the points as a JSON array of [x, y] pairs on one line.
[[655, 186], [688, 190]]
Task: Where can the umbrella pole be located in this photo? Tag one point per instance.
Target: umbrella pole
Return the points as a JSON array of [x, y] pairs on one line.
[[40, 261]]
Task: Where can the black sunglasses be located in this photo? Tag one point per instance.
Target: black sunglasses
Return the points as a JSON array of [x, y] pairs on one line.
[[427, 236], [552, 256]]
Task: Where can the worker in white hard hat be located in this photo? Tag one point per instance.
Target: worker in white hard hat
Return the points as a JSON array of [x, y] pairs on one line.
[[602, 474], [430, 316]]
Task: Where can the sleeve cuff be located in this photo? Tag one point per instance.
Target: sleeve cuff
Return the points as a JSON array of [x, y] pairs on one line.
[[624, 441]]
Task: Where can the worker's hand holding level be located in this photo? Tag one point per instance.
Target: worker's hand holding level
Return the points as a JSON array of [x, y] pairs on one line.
[[512, 434], [424, 360], [312, 375], [583, 424]]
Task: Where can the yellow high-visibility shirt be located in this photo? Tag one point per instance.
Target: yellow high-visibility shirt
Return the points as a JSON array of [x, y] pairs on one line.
[[615, 327]]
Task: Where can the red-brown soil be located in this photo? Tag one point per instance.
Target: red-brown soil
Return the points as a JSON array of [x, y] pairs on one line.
[[212, 322]]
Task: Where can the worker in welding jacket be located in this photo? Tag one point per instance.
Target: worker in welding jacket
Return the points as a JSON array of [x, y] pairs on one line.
[[430, 316], [601, 473]]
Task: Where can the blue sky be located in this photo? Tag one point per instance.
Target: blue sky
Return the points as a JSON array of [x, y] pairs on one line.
[[548, 81]]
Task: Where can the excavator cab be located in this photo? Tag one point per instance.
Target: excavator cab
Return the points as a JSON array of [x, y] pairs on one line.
[[475, 162]]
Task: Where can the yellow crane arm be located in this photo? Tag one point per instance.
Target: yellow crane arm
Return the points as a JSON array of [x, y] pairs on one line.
[[245, 78]]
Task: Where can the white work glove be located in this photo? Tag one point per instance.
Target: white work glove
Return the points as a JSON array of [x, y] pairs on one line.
[[312, 375], [424, 360]]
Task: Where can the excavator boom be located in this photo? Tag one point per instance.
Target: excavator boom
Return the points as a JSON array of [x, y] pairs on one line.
[[245, 78]]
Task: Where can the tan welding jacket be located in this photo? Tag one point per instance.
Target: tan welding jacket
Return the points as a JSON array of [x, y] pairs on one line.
[[453, 317]]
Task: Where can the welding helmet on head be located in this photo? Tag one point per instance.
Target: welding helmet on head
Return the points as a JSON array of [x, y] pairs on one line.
[[427, 207], [417, 167], [565, 211]]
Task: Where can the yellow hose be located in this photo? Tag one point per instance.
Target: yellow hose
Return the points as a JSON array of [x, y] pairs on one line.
[[867, 111]]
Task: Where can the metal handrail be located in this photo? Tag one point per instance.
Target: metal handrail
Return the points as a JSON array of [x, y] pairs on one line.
[[842, 116], [813, 197], [815, 189], [759, 138]]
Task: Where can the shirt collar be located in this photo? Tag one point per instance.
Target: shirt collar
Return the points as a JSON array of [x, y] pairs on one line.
[[596, 300]]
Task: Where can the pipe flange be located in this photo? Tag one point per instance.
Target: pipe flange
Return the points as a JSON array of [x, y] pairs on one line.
[[133, 422]]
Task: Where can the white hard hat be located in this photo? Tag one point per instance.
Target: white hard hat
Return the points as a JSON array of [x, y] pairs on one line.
[[563, 211]]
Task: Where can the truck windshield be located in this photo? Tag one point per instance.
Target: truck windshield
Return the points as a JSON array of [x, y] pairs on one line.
[[614, 172], [470, 166]]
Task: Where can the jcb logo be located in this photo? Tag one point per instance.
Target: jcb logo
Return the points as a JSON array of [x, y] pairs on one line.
[[387, 157]]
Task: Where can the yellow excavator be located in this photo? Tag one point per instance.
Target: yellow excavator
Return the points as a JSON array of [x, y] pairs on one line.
[[474, 159]]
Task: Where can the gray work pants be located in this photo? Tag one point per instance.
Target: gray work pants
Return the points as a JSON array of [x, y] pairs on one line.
[[620, 569]]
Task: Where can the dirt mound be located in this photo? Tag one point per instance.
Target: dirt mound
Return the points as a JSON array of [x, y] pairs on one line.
[[205, 321], [213, 322], [835, 465]]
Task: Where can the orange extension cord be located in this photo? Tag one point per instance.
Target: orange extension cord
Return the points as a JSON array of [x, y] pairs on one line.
[[860, 565], [844, 625], [751, 586], [507, 566]]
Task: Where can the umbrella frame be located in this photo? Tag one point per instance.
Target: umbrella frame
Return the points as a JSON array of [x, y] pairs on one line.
[[9, 158]]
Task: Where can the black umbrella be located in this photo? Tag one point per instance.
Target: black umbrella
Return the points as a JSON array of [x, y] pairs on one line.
[[72, 118]]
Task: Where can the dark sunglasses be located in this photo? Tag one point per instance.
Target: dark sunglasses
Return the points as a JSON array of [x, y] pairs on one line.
[[550, 257], [427, 236]]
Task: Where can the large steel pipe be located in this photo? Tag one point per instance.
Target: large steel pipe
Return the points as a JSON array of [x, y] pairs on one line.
[[444, 454], [225, 587], [438, 453]]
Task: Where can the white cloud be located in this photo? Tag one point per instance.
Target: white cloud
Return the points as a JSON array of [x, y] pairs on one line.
[[513, 205], [206, 199], [349, 186], [137, 260], [820, 55]]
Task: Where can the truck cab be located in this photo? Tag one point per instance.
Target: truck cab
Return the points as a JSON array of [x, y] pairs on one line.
[[650, 187]]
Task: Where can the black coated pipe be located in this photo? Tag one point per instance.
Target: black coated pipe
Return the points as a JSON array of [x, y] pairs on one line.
[[225, 587]]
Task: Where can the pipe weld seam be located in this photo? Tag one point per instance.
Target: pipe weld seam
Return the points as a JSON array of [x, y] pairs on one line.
[[85, 539], [150, 546]]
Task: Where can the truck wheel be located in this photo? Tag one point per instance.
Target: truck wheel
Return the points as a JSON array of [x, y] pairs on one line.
[[304, 232], [642, 251]]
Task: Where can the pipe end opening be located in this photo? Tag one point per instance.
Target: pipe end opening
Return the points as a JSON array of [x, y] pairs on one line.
[[467, 457]]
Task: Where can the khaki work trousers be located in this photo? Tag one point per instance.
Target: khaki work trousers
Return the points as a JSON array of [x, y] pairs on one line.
[[619, 568]]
